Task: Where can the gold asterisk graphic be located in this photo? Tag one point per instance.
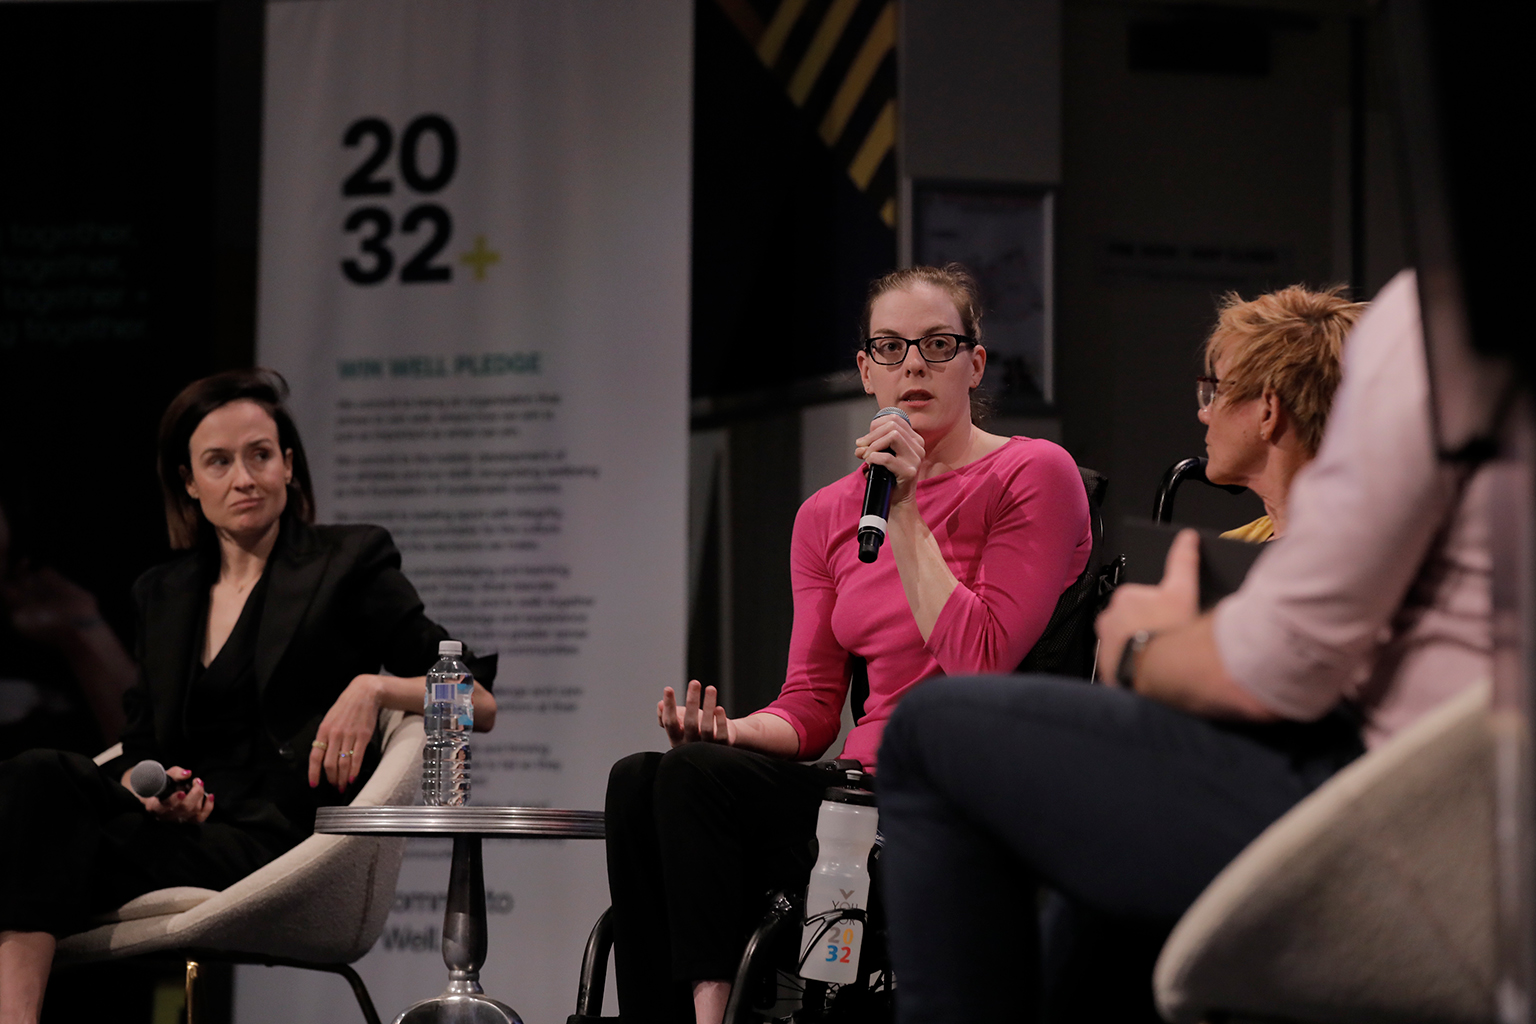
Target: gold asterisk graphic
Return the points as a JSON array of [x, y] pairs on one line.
[[480, 257]]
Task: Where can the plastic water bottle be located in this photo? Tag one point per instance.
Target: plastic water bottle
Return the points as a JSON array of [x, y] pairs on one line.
[[845, 833], [450, 712]]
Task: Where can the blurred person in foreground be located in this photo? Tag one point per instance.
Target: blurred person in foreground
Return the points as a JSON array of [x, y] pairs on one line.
[[260, 652], [63, 671], [1127, 799], [1272, 365]]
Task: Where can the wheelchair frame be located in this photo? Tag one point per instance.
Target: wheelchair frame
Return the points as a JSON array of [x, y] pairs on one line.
[[770, 963]]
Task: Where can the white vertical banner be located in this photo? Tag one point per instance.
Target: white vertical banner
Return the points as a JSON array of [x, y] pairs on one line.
[[474, 274]]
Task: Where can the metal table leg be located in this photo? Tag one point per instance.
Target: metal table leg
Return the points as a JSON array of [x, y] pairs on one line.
[[464, 946]]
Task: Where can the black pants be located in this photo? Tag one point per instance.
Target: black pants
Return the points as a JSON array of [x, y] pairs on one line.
[[74, 843], [991, 787], [696, 838]]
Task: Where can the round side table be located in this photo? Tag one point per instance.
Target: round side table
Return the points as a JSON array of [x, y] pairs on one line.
[[464, 933]]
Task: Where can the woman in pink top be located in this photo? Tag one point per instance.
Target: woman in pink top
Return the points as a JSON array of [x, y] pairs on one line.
[[985, 533]]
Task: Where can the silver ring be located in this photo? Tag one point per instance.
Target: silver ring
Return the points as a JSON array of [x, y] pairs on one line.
[[347, 753]]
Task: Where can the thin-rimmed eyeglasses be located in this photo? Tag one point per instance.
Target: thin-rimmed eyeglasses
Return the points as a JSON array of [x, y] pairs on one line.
[[1205, 391]]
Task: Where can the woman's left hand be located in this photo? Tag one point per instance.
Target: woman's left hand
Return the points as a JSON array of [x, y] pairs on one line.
[[1138, 606], [345, 731], [894, 444], [699, 720]]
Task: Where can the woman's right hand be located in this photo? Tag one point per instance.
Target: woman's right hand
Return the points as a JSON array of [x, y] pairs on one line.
[[894, 443], [699, 720], [194, 804]]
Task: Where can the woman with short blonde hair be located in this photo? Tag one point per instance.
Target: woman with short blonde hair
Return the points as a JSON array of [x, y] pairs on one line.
[[1272, 367]]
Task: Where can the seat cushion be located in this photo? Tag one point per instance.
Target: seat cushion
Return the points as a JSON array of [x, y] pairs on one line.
[[325, 900]]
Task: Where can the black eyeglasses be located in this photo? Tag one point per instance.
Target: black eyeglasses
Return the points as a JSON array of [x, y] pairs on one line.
[[935, 348], [1205, 391]]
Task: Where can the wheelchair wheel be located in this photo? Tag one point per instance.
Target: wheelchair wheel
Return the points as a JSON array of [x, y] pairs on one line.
[[866, 1001], [769, 990]]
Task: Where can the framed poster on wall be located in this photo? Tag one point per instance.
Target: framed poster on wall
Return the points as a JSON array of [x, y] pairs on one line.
[[1005, 235]]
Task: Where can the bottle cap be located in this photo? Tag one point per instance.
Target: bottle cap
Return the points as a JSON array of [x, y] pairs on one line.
[[449, 649], [844, 795]]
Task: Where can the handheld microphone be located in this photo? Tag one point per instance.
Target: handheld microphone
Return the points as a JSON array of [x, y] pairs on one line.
[[150, 780], [877, 500]]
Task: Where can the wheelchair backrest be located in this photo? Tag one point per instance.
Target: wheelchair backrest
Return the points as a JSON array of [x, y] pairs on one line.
[[1067, 646]]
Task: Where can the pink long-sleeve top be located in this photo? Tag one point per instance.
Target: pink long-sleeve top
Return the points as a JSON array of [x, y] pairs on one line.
[[1013, 527]]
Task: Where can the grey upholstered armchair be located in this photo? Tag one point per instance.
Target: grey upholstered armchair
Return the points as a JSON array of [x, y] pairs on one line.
[[321, 905], [1372, 900]]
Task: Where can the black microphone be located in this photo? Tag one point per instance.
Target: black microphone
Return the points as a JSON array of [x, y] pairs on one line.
[[877, 500], [150, 780]]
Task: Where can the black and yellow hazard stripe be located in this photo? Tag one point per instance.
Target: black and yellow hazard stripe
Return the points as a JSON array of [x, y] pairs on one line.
[[837, 62]]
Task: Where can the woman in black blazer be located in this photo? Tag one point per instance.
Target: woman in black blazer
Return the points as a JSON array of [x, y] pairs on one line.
[[259, 652]]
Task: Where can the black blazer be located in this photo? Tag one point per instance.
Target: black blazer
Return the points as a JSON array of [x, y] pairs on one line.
[[336, 606]]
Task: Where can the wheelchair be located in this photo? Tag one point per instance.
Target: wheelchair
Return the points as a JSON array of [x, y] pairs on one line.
[[768, 988], [1176, 475]]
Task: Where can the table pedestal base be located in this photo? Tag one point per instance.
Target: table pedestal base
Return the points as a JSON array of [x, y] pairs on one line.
[[464, 941], [464, 938], [459, 1007]]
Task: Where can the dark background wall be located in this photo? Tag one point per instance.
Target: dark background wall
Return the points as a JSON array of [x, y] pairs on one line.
[[783, 242], [128, 197], [127, 261], [1189, 132]]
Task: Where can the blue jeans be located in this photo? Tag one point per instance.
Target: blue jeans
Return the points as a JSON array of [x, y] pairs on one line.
[[1122, 809]]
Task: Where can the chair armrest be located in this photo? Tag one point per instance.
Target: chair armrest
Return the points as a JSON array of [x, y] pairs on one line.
[[397, 779]]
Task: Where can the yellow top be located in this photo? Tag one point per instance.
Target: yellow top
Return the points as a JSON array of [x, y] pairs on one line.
[[1256, 532]]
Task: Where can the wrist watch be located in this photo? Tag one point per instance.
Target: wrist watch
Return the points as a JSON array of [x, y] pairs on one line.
[[1125, 672]]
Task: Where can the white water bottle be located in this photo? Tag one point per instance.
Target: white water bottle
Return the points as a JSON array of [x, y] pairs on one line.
[[845, 833], [450, 712]]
